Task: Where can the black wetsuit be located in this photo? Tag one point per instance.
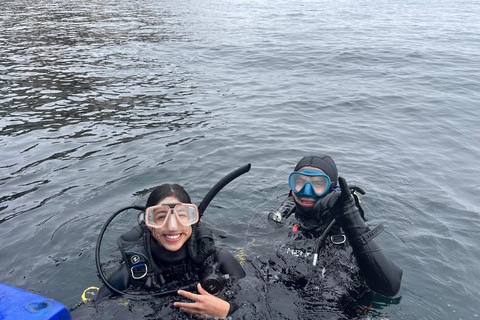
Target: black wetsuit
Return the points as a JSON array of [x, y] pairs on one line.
[[168, 261], [344, 271]]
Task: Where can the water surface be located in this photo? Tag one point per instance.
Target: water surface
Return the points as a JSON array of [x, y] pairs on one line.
[[103, 100]]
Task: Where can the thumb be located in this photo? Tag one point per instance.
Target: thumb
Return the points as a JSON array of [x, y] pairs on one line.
[[344, 187], [202, 291]]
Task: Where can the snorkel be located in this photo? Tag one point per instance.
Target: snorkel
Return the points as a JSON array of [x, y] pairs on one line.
[[197, 257]]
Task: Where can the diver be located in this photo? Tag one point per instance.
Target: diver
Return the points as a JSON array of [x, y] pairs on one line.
[[169, 249], [327, 236]]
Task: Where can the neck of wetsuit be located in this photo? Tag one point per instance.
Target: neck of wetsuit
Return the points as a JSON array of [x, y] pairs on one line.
[[165, 257], [310, 217]]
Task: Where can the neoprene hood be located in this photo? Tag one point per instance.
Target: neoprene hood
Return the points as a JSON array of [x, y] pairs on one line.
[[322, 162]]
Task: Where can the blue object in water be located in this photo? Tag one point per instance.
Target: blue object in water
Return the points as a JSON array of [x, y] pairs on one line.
[[19, 304]]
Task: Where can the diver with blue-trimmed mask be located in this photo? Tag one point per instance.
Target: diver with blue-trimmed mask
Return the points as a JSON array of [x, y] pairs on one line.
[[326, 232]]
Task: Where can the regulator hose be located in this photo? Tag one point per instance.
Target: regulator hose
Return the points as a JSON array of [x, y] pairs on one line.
[[199, 258]]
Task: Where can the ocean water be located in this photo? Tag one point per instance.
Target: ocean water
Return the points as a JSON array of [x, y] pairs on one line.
[[100, 101]]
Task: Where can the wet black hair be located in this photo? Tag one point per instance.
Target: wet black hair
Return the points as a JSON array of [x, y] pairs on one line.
[[322, 162], [168, 190]]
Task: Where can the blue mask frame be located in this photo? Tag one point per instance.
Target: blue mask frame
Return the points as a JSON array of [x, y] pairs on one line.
[[308, 191]]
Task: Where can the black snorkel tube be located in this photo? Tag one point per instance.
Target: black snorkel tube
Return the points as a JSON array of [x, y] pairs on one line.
[[198, 258], [219, 186]]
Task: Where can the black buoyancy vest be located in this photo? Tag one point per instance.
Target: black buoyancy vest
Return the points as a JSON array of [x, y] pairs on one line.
[[143, 271]]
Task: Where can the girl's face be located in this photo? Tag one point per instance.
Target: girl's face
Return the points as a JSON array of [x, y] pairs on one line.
[[173, 234]]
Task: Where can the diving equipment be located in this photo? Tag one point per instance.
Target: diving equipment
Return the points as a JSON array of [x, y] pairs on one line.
[[309, 183], [199, 256], [185, 213], [212, 283], [219, 186]]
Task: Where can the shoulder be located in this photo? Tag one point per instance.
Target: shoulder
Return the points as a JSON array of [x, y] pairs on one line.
[[133, 235], [223, 255], [228, 264]]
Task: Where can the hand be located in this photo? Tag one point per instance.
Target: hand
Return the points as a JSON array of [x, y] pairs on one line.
[[335, 200], [205, 304]]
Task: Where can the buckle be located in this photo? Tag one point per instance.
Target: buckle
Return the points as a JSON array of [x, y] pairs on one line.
[[338, 238], [178, 269], [275, 216], [138, 266], [369, 235]]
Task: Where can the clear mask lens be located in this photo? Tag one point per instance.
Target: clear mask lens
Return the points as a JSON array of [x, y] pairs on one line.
[[185, 214], [309, 183]]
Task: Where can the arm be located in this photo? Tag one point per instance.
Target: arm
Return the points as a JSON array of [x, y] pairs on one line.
[[382, 275], [120, 280], [228, 264]]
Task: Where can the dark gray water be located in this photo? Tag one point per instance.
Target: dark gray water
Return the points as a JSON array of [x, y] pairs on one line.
[[103, 100]]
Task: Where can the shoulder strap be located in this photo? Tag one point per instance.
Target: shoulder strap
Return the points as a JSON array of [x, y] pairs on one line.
[[205, 241], [369, 235], [132, 247]]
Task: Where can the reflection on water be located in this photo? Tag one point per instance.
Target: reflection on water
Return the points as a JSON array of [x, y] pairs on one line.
[[76, 85]]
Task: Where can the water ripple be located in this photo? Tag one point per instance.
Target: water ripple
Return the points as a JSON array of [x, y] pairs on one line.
[[103, 100]]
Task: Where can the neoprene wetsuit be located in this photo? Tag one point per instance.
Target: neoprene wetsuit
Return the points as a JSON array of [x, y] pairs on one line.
[[177, 268], [346, 268]]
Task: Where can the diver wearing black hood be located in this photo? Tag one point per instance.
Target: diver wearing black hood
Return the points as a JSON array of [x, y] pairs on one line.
[[328, 166], [328, 211]]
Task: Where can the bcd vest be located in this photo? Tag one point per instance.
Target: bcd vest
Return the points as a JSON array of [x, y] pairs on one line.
[[144, 272]]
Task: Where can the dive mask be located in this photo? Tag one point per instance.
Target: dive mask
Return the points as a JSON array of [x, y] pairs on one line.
[[309, 183], [185, 213]]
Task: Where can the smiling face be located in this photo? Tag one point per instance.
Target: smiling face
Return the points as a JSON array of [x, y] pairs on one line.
[[173, 234]]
